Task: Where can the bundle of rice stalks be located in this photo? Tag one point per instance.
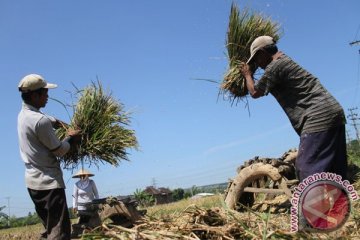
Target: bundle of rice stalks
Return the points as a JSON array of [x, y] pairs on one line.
[[102, 121], [243, 28]]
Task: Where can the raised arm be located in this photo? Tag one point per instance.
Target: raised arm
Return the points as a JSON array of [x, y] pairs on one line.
[[250, 83]]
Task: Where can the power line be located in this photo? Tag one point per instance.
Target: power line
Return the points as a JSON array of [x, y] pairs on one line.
[[153, 182]]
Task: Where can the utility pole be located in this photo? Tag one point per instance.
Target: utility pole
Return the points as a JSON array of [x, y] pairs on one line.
[[354, 117], [153, 182]]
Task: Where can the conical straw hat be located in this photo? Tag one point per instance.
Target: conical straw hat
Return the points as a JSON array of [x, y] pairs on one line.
[[82, 172]]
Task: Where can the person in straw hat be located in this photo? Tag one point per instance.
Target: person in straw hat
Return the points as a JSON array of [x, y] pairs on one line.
[[314, 113], [39, 149], [84, 192]]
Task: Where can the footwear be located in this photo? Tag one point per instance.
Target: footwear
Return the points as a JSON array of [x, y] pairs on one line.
[[74, 235], [43, 236]]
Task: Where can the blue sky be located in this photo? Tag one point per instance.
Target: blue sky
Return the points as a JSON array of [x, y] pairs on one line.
[[148, 53]]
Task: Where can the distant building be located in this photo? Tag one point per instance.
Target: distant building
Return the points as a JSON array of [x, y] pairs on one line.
[[161, 195]]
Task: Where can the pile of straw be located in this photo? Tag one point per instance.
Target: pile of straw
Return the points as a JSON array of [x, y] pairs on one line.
[[243, 28], [102, 121], [193, 223], [196, 223]]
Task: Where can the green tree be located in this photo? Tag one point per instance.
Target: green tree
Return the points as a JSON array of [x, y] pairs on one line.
[[194, 190], [4, 218], [144, 199], [178, 194], [31, 219], [353, 151], [187, 194]]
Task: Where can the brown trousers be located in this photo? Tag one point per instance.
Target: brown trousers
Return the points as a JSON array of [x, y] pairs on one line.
[[51, 207]]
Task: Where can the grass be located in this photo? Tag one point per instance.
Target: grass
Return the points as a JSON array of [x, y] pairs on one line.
[[22, 233], [176, 208], [31, 232]]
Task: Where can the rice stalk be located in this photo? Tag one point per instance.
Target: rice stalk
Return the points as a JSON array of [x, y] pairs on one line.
[[243, 28], [103, 123]]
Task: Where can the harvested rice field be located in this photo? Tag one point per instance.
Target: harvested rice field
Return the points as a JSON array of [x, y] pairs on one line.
[[205, 218]]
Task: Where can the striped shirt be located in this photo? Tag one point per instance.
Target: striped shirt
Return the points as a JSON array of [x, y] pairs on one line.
[[308, 105]]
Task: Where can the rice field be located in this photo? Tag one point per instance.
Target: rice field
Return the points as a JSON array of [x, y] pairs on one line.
[[205, 218]]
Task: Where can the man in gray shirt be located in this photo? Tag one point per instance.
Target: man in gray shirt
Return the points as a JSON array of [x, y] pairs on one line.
[[39, 149], [314, 113]]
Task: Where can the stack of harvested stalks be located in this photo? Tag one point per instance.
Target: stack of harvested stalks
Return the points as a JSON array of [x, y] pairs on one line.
[[193, 223], [102, 121], [243, 28], [196, 223]]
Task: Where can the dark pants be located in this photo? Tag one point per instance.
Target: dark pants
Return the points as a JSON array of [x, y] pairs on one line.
[[322, 152], [51, 207], [84, 218]]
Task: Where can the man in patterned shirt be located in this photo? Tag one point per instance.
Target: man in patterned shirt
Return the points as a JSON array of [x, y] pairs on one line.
[[314, 113]]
